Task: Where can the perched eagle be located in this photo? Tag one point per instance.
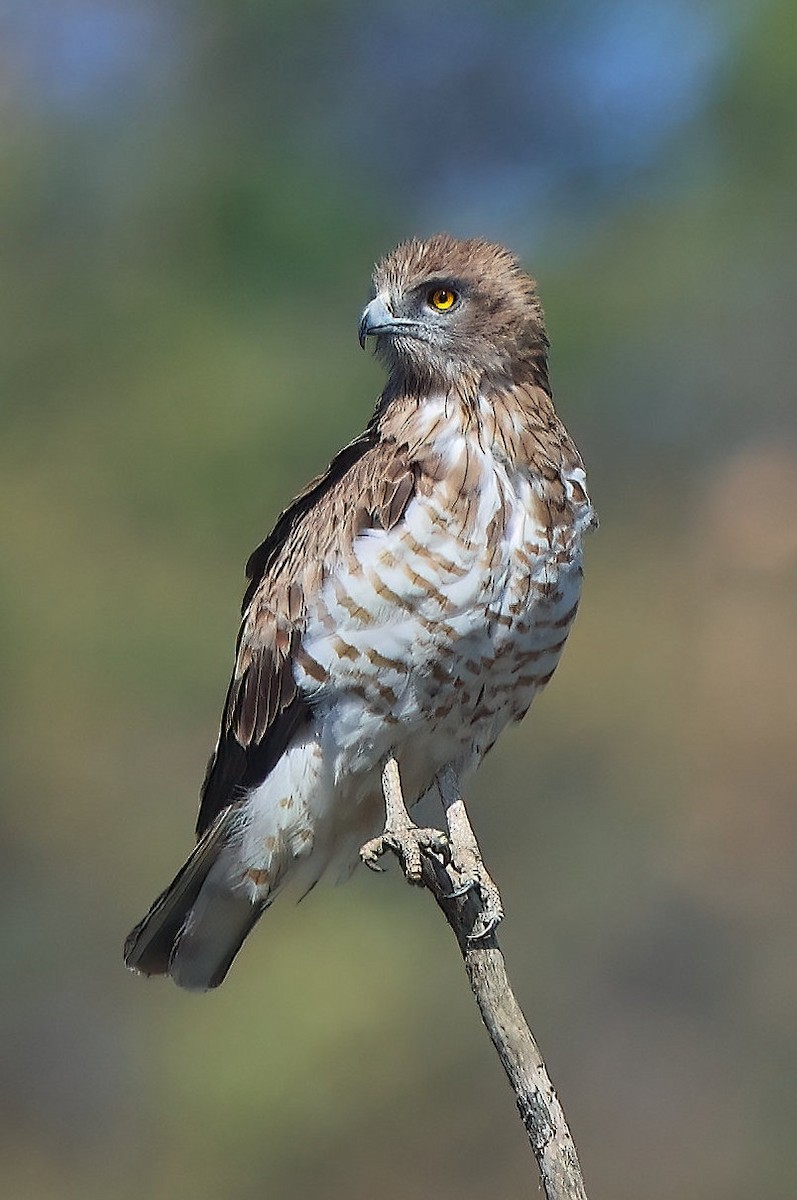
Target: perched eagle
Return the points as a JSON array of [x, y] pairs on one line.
[[410, 602]]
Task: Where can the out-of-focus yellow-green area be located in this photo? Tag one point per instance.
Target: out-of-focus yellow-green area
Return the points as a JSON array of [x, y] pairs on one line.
[[191, 198]]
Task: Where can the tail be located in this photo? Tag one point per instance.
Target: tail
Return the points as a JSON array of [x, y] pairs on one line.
[[198, 924]]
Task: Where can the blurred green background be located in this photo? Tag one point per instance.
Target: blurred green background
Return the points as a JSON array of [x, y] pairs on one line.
[[192, 196]]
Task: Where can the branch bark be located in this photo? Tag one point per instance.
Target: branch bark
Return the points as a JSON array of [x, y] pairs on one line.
[[537, 1102]]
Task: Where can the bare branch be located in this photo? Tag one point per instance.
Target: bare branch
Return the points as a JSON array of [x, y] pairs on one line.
[[537, 1102]]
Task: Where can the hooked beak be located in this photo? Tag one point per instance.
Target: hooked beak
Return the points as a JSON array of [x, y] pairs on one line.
[[377, 318]]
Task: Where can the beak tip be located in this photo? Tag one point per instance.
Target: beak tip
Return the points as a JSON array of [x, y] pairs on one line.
[[376, 318]]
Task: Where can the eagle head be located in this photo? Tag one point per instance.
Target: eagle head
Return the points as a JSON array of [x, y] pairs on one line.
[[451, 312]]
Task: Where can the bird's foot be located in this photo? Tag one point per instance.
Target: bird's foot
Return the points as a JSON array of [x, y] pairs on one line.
[[408, 842], [472, 875]]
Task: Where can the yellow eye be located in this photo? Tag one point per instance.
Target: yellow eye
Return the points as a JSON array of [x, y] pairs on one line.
[[442, 299]]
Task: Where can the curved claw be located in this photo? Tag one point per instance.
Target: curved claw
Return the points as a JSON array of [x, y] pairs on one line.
[[371, 864], [464, 888], [371, 852], [492, 912], [484, 925]]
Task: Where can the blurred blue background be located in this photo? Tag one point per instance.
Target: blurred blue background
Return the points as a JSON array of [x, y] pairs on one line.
[[192, 198]]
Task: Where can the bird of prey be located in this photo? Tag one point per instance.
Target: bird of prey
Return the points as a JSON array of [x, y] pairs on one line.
[[407, 606]]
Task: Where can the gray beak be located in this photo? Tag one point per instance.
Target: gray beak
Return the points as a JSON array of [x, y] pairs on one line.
[[377, 318]]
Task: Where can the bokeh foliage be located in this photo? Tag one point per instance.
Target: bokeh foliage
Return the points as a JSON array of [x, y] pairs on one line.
[[192, 197]]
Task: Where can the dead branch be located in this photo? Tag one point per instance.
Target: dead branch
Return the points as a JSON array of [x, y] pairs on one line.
[[537, 1102]]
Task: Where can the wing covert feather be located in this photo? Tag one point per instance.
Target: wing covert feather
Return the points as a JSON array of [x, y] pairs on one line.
[[368, 484]]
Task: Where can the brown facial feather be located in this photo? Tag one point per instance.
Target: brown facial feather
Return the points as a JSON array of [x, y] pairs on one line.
[[495, 348]]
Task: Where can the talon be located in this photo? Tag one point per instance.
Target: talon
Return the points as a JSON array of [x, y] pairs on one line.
[[484, 925], [464, 888], [406, 840], [371, 852], [473, 877], [466, 869], [408, 845]]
